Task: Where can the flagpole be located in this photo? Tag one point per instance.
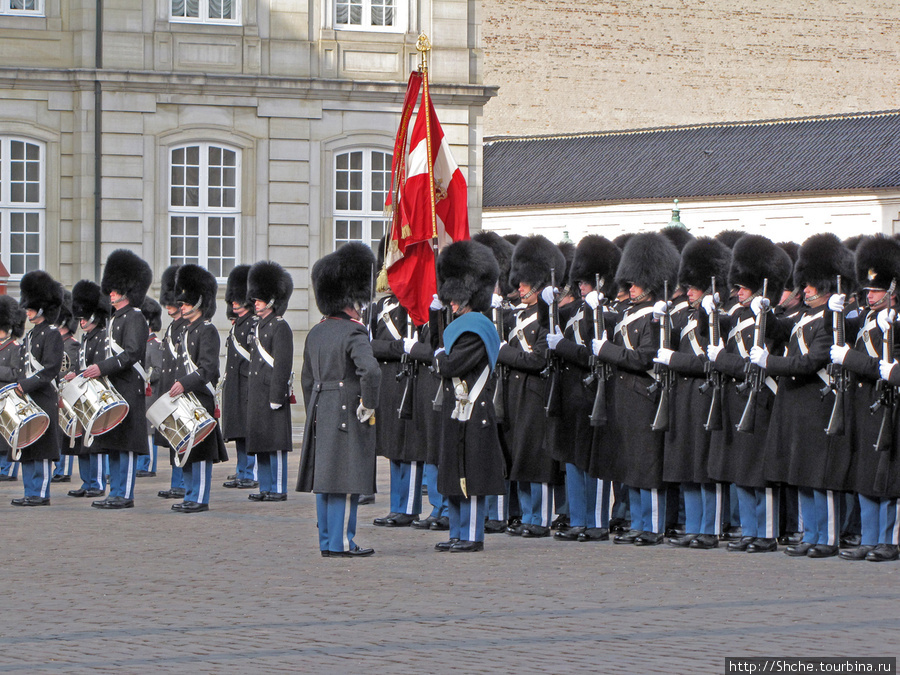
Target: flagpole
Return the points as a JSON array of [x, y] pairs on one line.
[[423, 46]]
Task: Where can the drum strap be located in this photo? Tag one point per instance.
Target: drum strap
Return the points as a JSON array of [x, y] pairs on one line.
[[191, 367], [115, 349], [238, 347], [32, 365]]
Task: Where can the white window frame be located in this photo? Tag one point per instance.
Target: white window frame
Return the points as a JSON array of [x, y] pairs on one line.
[[367, 215], [204, 17], [7, 10], [401, 18], [35, 208], [204, 212]]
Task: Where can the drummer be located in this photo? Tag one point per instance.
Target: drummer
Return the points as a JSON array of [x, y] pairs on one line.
[[195, 291], [91, 308], [41, 297], [67, 325], [126, 279]]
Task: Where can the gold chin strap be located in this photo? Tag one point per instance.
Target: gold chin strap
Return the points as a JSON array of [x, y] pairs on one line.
[[643, 296]]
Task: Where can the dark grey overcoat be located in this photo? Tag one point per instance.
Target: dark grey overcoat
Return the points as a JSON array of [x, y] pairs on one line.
[[270, 430]]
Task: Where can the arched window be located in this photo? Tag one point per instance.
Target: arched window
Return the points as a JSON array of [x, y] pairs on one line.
[[22, 204], [362, 179], [205, 206]]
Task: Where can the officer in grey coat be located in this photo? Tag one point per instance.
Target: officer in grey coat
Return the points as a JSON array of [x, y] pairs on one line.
[[340, 380], [268, 403]]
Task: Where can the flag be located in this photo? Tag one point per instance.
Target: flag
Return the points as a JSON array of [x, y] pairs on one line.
[[429, 203]]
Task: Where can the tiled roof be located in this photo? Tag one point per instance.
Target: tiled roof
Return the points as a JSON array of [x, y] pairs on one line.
[[847, 152]]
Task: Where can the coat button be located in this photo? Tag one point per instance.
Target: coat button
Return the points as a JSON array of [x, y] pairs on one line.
[[343, 407], [343, 425], [340, 384]]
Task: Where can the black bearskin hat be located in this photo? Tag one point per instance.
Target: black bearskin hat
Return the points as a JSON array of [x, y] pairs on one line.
[[39, 291], [236, 289], [89, 303], [343, 278], [11, 315], [703, 259], [595, 255], [167, 287], [532, 261], [513, 238], [822, 258], [877, 262], [792, 248], [568, 251], [853, 242], [677, 235], [152, 313], [503, 251], [196, 286], [66, 320], [649, 259], [467, 274], [270, 282], [755, 258], [127, 273], [730, 237], [622, 239]]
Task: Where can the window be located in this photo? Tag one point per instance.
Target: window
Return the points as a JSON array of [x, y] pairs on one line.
[[362, 179], [207, 11], [204, 207], [22, 205], [22, 7], [383, 15]]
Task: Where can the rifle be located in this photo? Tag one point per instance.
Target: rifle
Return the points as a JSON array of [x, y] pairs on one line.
[[887, 394], [713, 376], [600, 370], [405, 411], [502, 371], [665, 378], [756, 376], [839, 380], [553, 402], [440, 325]]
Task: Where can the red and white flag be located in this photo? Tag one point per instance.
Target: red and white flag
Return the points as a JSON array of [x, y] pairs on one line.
[[430, 203]]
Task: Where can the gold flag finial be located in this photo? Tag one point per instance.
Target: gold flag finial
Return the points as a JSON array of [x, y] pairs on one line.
[[423, 44]]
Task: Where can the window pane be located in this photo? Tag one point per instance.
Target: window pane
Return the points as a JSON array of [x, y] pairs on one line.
[[382, 12], [348, 182]]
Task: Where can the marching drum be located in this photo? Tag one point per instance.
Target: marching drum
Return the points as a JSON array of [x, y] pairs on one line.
[[22, 422], [96, 404], [183, 421], [68, 420]]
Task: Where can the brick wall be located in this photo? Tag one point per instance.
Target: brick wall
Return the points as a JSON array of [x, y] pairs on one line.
[[587, 65]]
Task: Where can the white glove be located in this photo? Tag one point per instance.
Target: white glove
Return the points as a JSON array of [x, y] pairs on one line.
[[597, 345], [759, 356], [709, 302], [593, 299], [274, 406], [438, 352], [363, 413], [548, 294], [663, 356], [408, 344], [885, 318], [713, 351], [436, 304], [554, 339], [885, 368], [756, 305], [659, 309], [496, 301], [838, 353], [836, 303]]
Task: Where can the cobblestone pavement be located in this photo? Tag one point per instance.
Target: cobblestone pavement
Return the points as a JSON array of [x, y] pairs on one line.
[[243, 588]]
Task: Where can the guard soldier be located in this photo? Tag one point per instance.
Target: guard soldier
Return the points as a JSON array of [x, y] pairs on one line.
[[238, 307], [67, 325], [171, 364], [874, 475], [195, 291], [12, 329], [340, 381], [648, 260], [798, 451], [41, 297], [152, 364], [687, 440], [571, 434], [525, 355], [126, 279], [268, 402], [92, 309], [471, 464], [738, 456]]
